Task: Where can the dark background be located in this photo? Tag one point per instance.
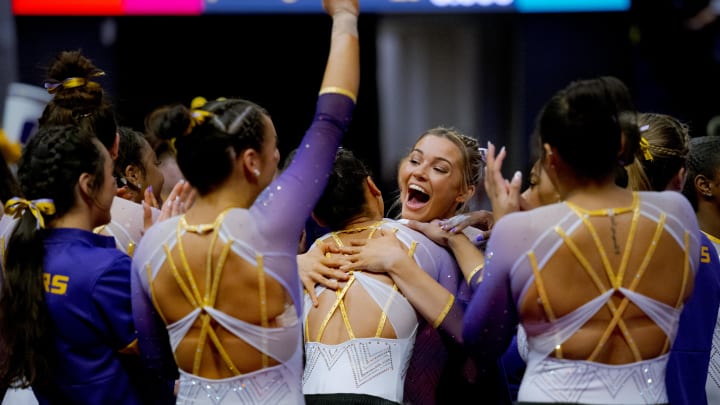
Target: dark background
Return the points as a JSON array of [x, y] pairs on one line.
[[277, 61]]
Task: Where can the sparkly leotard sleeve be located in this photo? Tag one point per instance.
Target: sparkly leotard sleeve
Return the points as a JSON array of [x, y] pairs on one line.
[[266, 235], [518, 252]]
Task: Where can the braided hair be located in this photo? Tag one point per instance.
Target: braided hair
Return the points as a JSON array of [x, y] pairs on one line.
[[667, 149], [206, 149], [51, 164]]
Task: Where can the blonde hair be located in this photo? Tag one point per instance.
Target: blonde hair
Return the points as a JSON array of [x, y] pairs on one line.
[[668, 142]]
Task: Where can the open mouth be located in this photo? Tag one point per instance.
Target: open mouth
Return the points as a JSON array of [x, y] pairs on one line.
[[417, 196]]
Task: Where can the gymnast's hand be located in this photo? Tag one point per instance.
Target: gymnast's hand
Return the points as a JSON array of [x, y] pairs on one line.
[[504, 195], [382, 254], [321, 265], [180, 199]]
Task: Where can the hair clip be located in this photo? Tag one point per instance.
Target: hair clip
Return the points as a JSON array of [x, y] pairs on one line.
[[645, 148]]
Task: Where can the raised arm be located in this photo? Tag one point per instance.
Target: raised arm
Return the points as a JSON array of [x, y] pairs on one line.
[[306, 175], [342, 72]]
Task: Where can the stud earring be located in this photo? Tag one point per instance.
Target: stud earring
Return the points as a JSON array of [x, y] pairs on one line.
[[707, 195], [257, 173]]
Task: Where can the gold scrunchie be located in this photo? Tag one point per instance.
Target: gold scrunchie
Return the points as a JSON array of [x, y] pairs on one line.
[[72, 82], [16, 205], [197, 116], [645, 148]]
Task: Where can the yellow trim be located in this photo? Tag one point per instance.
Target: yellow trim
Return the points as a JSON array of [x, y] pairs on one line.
[[607, 211], [383, 317], [444, 312], [474, 271], [153, 297], [339, 90], [262, 292], [712, 238], [131, 348]]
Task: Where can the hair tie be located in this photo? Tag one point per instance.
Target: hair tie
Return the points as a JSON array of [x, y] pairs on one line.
[[645, 148], [16, 206], [52, 86], [197, 116]]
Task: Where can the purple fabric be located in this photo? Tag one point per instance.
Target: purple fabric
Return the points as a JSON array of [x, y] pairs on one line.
[[690, 354], [89, 301], [281, 209]]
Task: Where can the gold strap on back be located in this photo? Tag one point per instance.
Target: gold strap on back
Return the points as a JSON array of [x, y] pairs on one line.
[[617, 315], [264, 321], [340, 294], [616, 279], [595, 278], [190, 290], [153, 295], [544, 300], [338, 301]]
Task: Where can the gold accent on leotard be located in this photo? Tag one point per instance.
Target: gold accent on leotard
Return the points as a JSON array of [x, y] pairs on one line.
[[212, 282], [615, 278], [543, 296], [340, 294]]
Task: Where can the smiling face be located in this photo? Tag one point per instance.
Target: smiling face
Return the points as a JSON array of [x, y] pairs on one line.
[[430, 179]]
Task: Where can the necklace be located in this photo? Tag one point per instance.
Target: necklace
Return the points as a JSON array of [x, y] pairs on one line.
[[609, 212], [360, 228]]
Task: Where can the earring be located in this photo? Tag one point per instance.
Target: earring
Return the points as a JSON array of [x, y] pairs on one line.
[[707, 195], [257, 173]]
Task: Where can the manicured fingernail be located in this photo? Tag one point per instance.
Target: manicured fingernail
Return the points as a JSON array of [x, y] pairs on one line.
[[150, 188], [453, 230], [479, 238]]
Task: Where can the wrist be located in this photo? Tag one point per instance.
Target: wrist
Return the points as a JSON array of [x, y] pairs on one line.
[[344, 22], [456, 240], [402, 266]]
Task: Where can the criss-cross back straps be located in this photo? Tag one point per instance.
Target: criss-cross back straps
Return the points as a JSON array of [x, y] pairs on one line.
[[616, 279], [190, 290], [340, 294]]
